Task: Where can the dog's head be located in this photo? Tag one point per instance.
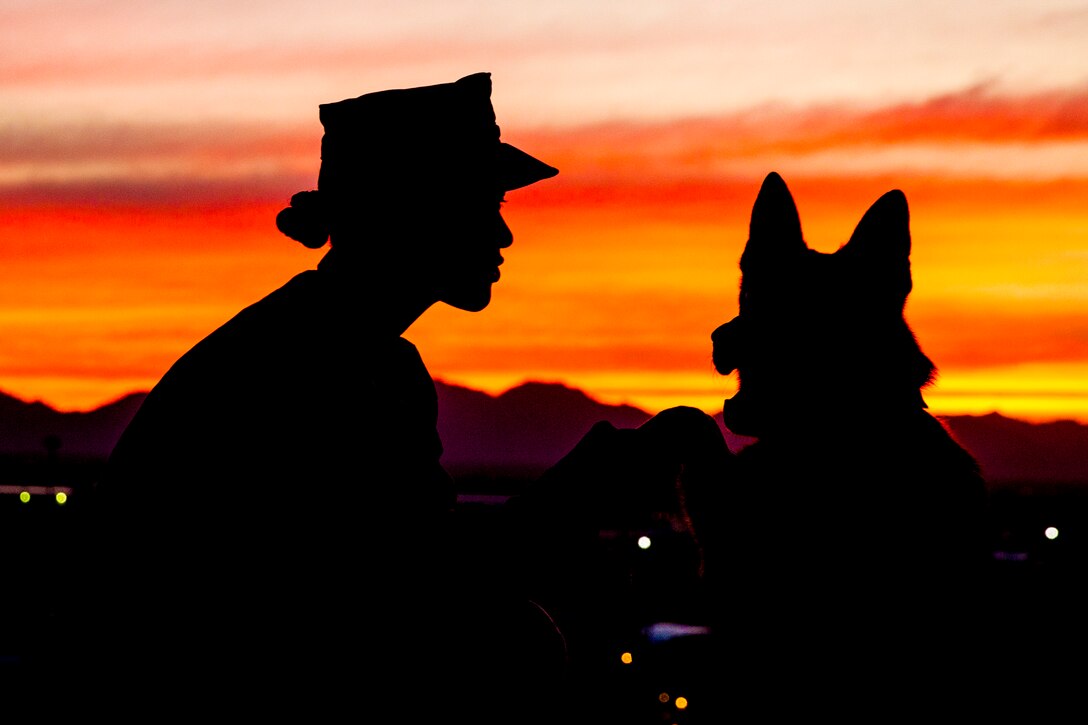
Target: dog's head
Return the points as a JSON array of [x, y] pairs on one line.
[[820, 337]]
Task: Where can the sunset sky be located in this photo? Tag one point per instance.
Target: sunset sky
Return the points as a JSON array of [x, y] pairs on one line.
[[145, 148]]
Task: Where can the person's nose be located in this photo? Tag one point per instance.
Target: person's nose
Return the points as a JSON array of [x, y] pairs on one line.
[[503, 235]]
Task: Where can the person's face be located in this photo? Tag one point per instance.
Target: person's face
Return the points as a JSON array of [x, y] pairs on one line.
[[469, 252]]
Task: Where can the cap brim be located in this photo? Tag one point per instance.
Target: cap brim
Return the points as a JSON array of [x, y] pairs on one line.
[[518, 169]]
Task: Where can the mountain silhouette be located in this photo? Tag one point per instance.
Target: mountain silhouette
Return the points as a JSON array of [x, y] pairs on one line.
[[528, 427], [531, 426], [24, 427], [1015, 451]]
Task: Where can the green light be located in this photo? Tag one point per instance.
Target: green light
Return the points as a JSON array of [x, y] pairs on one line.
[[62, 497], [24, 496]]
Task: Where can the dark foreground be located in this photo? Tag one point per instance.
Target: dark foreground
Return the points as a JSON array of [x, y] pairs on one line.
[[664, 665]]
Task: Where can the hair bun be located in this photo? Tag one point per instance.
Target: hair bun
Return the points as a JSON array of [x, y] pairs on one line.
[[305, 220]]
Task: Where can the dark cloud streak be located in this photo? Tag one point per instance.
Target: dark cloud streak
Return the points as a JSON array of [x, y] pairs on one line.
[[166, 192]]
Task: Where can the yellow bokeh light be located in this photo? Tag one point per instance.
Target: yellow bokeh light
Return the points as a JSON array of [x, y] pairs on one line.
[[663, 697], [1051, 532], [681, 703], [62, 497], [626, 658], [644, 542], [24, 496]]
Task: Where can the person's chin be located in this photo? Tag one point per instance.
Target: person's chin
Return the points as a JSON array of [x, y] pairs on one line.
[[470, 300]]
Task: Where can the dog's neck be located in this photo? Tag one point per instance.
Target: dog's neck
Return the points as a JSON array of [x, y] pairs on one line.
[[858, 415]]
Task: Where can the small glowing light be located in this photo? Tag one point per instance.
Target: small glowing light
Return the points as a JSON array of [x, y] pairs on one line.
[[663, 697], [681, 703], [644, 542], [62, 497], [24, 496], [626, 658], [664, 631], [1051, 532]]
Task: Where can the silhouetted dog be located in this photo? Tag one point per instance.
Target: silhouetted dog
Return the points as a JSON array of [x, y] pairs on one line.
[[855, 520]]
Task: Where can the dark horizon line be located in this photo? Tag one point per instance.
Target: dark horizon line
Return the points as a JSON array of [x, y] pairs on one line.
[[561, 384]]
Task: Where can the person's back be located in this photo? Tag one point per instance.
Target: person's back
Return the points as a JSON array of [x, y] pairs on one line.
[[246, 493]]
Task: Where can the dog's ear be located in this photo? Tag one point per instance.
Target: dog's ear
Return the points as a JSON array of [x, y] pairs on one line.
[[775, 228], [881, 243]]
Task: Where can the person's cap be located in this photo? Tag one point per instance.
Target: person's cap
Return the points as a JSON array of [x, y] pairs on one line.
[[431, 134]]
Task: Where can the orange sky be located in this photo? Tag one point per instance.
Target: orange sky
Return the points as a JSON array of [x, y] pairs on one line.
[[139, 198]]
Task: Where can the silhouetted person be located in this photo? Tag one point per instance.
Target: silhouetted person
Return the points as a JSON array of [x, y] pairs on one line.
[[853, 545], [280, 527]]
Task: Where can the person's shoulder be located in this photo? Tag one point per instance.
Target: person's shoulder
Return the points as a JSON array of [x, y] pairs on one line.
[[253, 333], [297, 298], [302, 291]]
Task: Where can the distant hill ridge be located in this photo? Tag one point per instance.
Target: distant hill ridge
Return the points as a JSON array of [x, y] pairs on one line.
[[24, 426], [532, 425]]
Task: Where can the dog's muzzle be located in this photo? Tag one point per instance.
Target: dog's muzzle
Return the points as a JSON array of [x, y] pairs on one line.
[[728, 342]]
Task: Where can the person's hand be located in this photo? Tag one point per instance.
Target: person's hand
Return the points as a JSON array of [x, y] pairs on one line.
[[615, 530]]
